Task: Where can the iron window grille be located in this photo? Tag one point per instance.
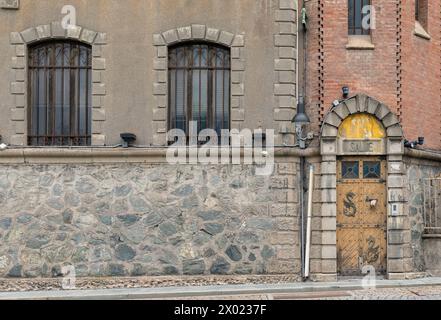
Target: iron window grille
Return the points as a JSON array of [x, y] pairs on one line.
[[432, 205], [421, 12], [199, 87], [60, 94], [356, 16]]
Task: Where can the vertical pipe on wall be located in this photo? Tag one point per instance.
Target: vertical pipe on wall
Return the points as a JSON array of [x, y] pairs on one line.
[[308, 224], [302, 159], [302, 212]]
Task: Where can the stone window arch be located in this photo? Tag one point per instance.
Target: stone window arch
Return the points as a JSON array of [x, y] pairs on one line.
[[59, 90], [199, 86], [195, 33], [21, 41]]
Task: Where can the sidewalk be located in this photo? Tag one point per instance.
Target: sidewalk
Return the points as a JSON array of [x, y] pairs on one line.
[[213, 291]]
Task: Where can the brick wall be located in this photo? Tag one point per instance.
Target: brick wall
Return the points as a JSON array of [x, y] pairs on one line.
[[402, 71], [421, 64]]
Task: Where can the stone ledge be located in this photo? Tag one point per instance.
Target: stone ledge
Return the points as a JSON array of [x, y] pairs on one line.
[[360, 43], [431, 236], [406, 276], [420, 32], [422, 154], [24, 155]]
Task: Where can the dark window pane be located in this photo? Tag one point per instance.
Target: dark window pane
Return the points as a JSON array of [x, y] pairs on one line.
[[417, 10], [204, 100], [372, 170], [60, 94], [350, 170], [355, 17], [351, 16]]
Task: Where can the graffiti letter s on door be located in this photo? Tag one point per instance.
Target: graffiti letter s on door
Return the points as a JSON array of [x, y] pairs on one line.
[[373, 252], [350, 210]]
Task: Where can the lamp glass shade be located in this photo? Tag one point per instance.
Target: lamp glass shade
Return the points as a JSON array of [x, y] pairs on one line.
[[301, 117]]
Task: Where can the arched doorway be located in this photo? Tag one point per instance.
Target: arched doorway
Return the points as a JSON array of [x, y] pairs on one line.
[[361, 197], [362, 189]]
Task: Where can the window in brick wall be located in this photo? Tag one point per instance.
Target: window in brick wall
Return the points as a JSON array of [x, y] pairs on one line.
[[421, 12], [356, 17]]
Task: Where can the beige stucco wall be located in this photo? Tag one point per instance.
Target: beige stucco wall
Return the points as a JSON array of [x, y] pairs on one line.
[[129, 53]]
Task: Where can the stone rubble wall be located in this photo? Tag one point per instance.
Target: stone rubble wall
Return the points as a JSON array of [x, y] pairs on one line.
[[139, 219], [417, 170]]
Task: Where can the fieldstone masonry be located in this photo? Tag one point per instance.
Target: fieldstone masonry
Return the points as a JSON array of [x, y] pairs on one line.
[[416, 171], [20, 42], [138, 219]]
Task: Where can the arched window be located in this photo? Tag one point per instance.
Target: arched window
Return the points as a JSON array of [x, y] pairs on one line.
[[60, 94], [199, 87]]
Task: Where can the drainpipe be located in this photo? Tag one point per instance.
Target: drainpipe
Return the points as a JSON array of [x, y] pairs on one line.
[[308, 223], [302, 158], [301, 18], [302, 212]]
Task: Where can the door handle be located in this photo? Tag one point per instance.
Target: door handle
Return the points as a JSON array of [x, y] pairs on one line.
[[373, 202]]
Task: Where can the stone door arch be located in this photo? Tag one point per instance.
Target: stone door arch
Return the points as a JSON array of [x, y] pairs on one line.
[[398, 262]]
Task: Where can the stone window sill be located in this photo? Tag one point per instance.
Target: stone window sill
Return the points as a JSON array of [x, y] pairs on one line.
[[360, 43], [420, 32]]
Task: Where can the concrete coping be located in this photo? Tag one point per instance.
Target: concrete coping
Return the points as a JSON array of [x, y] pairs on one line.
[[110, 155], [423, 154]]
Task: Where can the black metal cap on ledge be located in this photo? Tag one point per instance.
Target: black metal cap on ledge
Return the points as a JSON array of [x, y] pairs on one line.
[[128, 138]]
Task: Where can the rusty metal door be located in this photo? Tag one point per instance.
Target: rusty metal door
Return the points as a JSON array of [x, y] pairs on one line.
[[361, 215]]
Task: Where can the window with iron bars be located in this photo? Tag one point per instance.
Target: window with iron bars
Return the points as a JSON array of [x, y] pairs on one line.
[[421, 12], [199, 87], [432, 205], [60, 94], [356, 16]]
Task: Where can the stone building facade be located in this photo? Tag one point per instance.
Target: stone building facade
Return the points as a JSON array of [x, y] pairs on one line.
[[113, 211], [109, 211]]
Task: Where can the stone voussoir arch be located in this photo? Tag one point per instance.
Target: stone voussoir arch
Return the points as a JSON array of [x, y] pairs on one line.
[[55, 31], [195, 32], [361, 104], [397, 224]]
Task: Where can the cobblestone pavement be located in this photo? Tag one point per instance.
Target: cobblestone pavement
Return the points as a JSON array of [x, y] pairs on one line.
[[417, 293], [234, 288]]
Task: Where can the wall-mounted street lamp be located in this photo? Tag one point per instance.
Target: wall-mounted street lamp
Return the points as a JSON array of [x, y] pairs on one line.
[[300, 120], [346, 92], [414, 144]]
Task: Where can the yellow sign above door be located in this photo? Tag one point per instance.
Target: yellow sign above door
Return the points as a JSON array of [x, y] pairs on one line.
[[361, 126]]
